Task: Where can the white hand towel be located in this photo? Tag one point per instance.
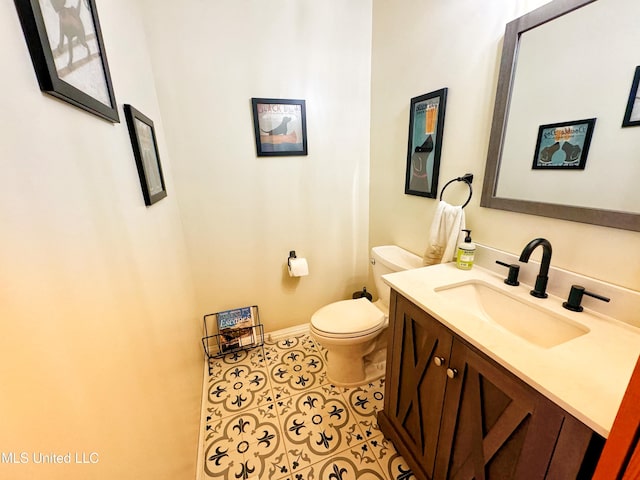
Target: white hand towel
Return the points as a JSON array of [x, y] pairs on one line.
[[445, 235]]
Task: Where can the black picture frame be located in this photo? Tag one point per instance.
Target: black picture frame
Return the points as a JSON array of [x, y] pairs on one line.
[[145, 151], [426, 126], [564, 145], [280, 127], [83, 81], [632, 112]]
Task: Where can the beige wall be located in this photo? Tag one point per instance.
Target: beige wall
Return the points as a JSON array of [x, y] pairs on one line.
[[99, 334], [242, 214], [422, 46]]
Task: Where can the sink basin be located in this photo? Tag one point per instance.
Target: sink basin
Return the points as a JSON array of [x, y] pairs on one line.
[[520, 317]]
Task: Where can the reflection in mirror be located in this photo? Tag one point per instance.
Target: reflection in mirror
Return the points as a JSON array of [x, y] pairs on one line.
[[570, 66]]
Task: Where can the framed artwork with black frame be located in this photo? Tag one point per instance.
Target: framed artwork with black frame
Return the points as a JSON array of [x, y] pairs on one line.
[[426, 124], [632, 113], [563, 145], [280, 126], [145, 151], [68, 55]]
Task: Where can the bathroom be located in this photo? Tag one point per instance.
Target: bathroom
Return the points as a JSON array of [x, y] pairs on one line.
[[102, 298]]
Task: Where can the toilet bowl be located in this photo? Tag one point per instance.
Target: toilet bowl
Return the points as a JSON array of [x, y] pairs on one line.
[[354, 331]]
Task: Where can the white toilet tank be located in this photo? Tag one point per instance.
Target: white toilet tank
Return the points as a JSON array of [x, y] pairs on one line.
[[388, 259]]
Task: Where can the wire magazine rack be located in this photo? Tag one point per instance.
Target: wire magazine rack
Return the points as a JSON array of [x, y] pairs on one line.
[[236, 329]]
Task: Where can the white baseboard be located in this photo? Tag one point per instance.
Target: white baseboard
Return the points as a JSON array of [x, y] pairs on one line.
[[287, 332]]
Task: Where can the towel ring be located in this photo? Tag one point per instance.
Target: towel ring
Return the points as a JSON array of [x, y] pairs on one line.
[[466, 178]]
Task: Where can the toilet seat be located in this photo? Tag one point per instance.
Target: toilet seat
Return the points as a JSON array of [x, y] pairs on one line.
[[348, 319]]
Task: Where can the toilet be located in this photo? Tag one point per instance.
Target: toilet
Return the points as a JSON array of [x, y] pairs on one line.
[[354, 331]]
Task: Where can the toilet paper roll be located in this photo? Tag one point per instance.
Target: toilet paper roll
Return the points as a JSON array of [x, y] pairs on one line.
[[298, 267]]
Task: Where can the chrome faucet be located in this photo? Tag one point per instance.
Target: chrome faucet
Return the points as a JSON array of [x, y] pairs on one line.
[[543, 275]]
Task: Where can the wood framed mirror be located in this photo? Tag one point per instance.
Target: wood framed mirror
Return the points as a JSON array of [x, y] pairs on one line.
[[592, 82]]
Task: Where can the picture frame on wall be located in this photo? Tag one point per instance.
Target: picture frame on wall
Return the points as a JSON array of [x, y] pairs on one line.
[[145, 150], [632, 112], [563, 145], [280, 126], [68, 54], [426, 125]]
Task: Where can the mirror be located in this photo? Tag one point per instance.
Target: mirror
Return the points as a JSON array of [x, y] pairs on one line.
[[564, 64]]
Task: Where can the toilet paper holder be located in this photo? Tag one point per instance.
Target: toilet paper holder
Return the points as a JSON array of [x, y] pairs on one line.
[[297, 266], [292, 254]]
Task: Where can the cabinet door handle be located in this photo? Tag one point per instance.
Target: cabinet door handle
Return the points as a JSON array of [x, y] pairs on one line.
[[452, 372], [439, 361]]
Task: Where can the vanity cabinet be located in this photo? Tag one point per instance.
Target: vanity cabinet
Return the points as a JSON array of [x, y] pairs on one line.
[[453, 413]]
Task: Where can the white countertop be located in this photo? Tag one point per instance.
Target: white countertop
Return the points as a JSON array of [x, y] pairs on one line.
[[587, 376]]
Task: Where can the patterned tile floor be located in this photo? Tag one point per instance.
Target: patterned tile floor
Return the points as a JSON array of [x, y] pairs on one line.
[[272, 414]]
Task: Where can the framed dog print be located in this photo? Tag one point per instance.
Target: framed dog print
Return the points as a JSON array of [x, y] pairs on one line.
[[632, 113], [145, 151], [280, 126], [426, 123], [563, 145], [68, 55]]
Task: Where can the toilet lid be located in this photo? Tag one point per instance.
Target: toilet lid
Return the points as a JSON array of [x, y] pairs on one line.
[[348, 318]]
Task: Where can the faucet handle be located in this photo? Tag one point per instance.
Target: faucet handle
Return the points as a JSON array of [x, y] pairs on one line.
[[512, 277], [575, 298]]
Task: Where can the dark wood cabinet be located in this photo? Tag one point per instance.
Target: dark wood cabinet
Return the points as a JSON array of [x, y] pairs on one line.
[[415, 383], [453, 413]]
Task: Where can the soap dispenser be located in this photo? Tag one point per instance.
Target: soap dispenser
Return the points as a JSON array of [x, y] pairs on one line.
[[466, 252]]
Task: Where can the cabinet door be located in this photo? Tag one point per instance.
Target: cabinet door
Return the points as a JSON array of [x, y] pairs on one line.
[[418, 358], [485, 419], [496, 427]]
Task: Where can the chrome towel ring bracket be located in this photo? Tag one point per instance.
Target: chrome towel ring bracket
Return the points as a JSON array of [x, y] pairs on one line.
[[466, 178]]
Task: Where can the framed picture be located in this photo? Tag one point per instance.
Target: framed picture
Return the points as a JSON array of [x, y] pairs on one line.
[[145, 151], [632, 113], [563, 145], [68, 55], [426, 123], [280, 127]]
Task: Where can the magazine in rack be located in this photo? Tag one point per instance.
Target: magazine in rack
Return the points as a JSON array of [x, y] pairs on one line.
[[235, 328]]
